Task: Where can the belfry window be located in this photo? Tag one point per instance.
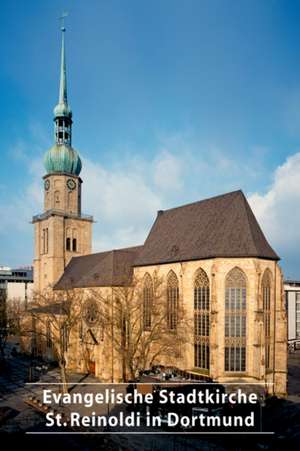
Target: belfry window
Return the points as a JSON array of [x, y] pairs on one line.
[[266, 292], [172, 301], [147, 302], [201, 320], [68, 244], [74, 240], [235, 321], [71, 240]]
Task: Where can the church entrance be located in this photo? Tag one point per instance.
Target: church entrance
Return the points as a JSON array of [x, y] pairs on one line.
[[92, 367], [90, 350]]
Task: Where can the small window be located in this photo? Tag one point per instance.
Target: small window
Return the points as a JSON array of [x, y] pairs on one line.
[[57, 198], [45, 241], [68, 244], [60, 135], [74, 245]]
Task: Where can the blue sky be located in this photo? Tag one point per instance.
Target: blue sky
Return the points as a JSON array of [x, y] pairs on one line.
[[173, 101]]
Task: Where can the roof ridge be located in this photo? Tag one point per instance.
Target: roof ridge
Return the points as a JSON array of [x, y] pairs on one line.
[[203, 200], [89, 255], [128, 248], [107, 251]]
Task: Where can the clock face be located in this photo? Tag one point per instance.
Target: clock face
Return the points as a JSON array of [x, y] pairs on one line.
[[71, 184], [47, 184]]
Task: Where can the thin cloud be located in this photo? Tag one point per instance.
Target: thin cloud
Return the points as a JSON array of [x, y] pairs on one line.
[[279, 215], [124, 199]]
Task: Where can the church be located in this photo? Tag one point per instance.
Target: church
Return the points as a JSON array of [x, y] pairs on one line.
[[212, 259]]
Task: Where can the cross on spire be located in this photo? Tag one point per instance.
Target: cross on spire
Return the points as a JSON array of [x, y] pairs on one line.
[[62, 20]]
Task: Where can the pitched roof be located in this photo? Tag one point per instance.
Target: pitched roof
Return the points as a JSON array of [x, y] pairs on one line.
[[111, 268], [222, 226]]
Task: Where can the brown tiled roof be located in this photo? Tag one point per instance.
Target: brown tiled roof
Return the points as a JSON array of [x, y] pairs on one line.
[[111, 268], [223, 226]]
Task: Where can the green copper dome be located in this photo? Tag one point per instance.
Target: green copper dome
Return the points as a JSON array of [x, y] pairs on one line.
[[62, 158]]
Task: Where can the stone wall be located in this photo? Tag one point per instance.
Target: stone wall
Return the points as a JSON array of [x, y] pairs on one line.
[[108, 365]]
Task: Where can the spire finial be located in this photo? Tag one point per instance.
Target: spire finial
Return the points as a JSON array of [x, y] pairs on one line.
[[62, 20]]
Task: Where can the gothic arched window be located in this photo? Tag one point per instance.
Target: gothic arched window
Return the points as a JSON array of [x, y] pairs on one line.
[[235, 321], [172, 300], [266, 295], [147, 301], [201, 320]]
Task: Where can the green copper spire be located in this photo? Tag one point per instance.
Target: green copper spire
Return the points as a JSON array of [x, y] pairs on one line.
[[62, 109], [63, 98], [62, 158]]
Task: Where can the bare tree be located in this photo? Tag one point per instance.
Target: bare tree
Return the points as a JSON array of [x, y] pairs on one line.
[[136, 320], [15, 312], [11, 314], [54, 315]]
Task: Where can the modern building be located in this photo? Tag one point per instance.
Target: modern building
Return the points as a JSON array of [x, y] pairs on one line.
[[213, 261], [16, 284], [292, 296]]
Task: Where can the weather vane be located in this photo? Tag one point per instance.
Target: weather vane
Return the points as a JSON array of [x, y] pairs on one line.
[[62, 20]]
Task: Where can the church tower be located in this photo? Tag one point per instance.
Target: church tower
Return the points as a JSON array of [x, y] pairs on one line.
[[61, 231]]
